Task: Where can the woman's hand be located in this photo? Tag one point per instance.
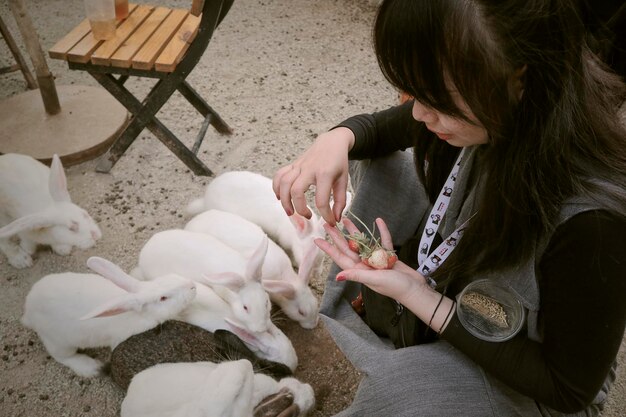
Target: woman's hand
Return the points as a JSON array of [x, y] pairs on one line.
[[324, 165], [400, 282]]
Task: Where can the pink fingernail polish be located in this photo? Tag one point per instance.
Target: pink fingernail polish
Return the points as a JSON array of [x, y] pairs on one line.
[[340, 277]]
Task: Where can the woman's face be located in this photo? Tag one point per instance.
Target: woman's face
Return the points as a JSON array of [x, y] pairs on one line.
[[455, 131]]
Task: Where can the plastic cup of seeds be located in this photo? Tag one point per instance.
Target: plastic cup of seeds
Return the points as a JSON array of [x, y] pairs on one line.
[[490, 311]]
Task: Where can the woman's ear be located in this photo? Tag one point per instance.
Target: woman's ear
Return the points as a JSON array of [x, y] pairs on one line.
[[517, 81]]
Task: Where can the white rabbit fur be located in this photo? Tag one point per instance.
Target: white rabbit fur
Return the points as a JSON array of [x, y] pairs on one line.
[[207, 260], [236, 300], [291, 291], [36, 208], [211, 312], [69, 311], [206, 389], [250, 196]]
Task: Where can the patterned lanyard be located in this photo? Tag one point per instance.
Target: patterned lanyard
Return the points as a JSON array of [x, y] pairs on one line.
[[429, 263]]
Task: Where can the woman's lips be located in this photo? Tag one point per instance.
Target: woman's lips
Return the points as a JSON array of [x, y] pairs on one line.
[[443, 136]]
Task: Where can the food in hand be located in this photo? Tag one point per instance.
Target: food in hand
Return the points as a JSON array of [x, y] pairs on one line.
[[357, 241], [370, 249], [380, 258]]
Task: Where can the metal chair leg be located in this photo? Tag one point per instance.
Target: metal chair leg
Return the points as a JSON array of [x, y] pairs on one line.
[[144, 116], [203, 108]]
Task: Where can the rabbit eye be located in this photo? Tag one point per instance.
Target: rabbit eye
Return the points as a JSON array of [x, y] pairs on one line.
[[74, 226], [164, 298], [245, 308], [300, 312]]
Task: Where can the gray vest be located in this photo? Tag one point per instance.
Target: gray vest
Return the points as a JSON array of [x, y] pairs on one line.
[[521, 279]]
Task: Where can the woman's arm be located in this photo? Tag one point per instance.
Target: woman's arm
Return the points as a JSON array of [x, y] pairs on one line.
[[383, 132], [325, 163], [582, 316]]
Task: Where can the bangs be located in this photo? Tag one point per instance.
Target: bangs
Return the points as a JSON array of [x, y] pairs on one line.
[[429, 48], [411, 50]]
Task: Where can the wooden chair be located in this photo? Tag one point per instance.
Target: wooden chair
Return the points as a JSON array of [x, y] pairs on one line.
[[20, 63], [154, 42]]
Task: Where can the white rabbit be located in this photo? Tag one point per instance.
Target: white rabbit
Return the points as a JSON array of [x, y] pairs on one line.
[[211, 312], [206, 389], [236, 300], [35, 206], [250, 196], [290, 290], [191, 389], [70, 310], [205, 259]]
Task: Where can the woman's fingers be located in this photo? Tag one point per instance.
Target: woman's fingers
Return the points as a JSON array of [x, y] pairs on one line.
[[385, 235], [353, 275], [389, 282], [282, 182], [341, 243], [290, 185], [276, 180], [324, 165], [385, 282], [343, 260], [340, 191], [298, 191], [322, 198], [350, 226]]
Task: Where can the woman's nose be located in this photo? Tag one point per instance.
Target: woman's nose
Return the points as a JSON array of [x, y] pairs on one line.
[[423, 113]]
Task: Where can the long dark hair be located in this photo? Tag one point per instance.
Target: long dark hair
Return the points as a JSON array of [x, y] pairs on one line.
[[560, 139]]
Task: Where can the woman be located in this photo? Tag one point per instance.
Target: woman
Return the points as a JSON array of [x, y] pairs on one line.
[[513, 134]]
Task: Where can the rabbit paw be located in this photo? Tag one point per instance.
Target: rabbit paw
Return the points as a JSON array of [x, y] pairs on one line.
[[63, 250], [20, 259], [304, 396], [28, 246], [83, 365], [276, 405]]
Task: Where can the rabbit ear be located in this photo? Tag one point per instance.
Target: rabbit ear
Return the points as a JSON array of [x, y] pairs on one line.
[[231, 387], [113, 273], [228, 379], [242, 333], [255, 263], [29, 222], [230, 280], [112, 308], [278, 287], [301, 224], [308, 262], [57, 183]]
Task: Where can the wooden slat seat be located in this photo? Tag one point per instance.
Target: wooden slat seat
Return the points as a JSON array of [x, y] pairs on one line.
[[150, 38], [153, 42]]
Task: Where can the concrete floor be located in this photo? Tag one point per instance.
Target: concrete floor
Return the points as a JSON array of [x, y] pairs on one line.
[[279, 72]]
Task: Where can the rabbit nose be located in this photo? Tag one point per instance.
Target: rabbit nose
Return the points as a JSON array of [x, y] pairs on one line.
[[95, 235]]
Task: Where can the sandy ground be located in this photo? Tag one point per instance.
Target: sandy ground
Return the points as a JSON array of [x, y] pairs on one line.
[[279, 72]]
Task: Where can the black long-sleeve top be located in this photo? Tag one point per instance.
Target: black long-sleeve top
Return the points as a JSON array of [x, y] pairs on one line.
[[582, 288]]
